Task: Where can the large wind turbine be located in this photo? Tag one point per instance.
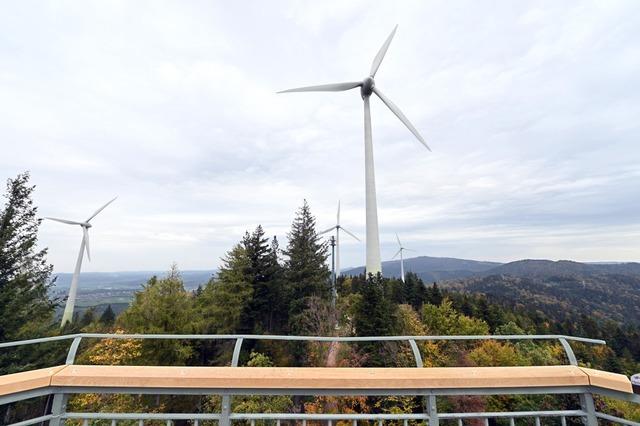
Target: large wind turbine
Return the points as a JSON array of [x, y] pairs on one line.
[[84, 246], [338, 227], [400, 252], [367, 87]]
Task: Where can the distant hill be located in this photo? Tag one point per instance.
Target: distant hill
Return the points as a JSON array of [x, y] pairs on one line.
[[433, 268], [546, 268], [562, 289], [127, 280]]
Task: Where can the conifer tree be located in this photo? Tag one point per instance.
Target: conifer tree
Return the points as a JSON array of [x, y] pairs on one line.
[[24, 271], [108, 317], [259, 273], [374, 316], [223, 303], [305, 268]]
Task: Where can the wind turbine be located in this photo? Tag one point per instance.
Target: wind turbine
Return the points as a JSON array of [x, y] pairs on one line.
[[400, 252], [367, 87], [338, 227], [84, 246]]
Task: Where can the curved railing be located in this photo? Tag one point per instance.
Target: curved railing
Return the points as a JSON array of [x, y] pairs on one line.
[[240, 338]]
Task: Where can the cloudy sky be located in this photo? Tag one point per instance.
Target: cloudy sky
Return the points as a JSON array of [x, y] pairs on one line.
[[532, 110]]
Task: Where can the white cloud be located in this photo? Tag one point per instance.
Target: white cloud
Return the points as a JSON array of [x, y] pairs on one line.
[[531, 109]]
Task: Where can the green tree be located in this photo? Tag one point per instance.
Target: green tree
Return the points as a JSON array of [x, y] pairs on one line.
[[445, 320], [264, 272], [25, 308], [162, 306], [223, 302], [306, 271], [88, 317], [108, 317], [374, 316]]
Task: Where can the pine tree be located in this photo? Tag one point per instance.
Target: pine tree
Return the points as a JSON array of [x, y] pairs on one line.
[[305, 268], [259, 272], [24, 272], [434, 295], [108, 317], [88, 317], [374, 316], [223, 303]]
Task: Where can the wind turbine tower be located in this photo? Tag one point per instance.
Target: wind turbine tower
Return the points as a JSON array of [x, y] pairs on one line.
[[400, 252], [338, 227], [67, 316], [367, 88]]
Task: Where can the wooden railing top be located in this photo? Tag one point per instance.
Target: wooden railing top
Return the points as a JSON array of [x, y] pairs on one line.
[[265, 378]]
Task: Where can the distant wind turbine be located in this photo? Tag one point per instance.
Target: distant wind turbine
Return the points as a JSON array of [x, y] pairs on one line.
[[84, 245], [400, 252], [338, 227], [367, 87]]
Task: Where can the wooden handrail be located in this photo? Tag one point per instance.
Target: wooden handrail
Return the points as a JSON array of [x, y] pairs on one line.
[[264, 378]]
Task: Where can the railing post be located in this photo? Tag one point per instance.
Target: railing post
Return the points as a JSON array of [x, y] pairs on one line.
[[569, 351], [59, 404], [419, 363], [225, 409], [73, 349], [433, 411], [586, 401], [58, 408]]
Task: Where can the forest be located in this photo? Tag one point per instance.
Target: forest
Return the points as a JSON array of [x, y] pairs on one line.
[[264, 288]]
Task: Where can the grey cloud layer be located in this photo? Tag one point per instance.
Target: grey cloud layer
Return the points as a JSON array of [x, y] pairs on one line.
[[531, 109]]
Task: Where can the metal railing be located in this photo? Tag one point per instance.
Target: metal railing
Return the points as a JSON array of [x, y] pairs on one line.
[[225, 417]]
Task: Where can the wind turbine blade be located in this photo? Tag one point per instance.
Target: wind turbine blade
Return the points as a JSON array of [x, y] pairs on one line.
[[327, 230], [343, 228], [406, 249], [338, 217], [401, 116], [100, 209], [398, 238], [335, 87], [397, 253], [380, 56], [69, 222], [85, 231]]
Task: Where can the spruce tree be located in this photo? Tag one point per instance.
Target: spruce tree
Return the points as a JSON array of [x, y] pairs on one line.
[[306, 271], [24, 272], [108, 317], [374, 316], [258, 272], [223, 303]]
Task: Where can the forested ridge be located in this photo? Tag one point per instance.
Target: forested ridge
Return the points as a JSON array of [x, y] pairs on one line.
[[264, 287]]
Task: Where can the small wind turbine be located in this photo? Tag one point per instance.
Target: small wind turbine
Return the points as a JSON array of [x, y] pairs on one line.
[[367, 87], [84, 245], [400, 251], [338, 227]]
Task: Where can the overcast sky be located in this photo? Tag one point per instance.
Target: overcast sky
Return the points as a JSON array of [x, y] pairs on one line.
[[532, 110]]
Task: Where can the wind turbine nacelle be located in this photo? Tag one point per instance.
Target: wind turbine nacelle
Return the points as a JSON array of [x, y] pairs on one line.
[[87, 225], [367, 87]]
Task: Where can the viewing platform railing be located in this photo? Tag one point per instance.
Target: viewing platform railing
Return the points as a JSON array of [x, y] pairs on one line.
[[63, 381]]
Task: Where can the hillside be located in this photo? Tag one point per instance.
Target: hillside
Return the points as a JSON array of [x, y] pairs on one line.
[[562, 289], [547, 268], [432, 268]]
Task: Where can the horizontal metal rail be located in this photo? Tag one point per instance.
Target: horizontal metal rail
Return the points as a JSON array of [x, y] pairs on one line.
[[298, 338], [321, 416]]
